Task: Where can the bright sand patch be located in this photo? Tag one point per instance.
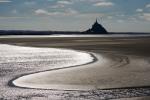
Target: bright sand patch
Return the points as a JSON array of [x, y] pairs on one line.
[[54, 58]]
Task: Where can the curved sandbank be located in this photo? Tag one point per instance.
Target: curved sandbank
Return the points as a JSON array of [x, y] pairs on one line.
[[110, 71], [42, 80], [68, 79], [55, 59]]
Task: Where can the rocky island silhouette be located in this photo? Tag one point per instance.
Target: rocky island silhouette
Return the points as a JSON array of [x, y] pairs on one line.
[[97, 29]]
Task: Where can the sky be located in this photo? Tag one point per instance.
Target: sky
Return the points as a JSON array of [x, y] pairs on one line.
[[75, 15]]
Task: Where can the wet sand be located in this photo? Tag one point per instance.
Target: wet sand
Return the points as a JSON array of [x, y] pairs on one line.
[[110, 71], [126, 65]]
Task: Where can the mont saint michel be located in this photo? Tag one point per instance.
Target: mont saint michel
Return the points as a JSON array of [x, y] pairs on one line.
[[97, 29]]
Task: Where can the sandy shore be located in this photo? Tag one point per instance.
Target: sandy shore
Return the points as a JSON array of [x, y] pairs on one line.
[[126, 65]]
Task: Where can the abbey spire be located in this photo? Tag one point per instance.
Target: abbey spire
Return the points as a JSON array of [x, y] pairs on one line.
[[97, 29]]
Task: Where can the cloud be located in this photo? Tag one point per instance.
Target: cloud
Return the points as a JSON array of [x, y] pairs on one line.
[[134, 19], [147, 6], [57, 6], [61, 4], [120, 21], [146, 16], [65, 2], [41, 12], [66, 12], [101, 4], [14, 17], [139, 10], [5, 1], [109, 17], [90, 15], [29, 3], [89, 0], [71, 11], [14, 11]]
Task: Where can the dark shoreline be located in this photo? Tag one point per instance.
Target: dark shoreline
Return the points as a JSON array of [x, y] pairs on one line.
[[36, 32]]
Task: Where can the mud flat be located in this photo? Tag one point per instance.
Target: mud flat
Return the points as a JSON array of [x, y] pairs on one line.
[[122, 70]]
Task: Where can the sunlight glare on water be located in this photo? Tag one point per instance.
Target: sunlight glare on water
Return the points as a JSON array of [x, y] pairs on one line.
[[54, 58]]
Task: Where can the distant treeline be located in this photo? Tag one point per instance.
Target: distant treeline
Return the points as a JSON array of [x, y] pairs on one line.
[[24, 32]]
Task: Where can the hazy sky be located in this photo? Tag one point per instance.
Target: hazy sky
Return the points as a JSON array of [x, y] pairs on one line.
[[75, 15]]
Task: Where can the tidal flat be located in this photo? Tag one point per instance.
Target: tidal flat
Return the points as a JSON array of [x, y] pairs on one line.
[[122, 69]]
